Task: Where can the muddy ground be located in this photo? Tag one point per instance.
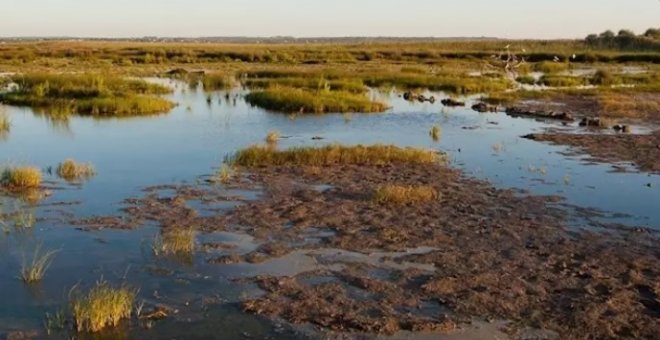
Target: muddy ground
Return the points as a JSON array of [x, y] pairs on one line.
[[641, 150], [478, 253], [602, 144]]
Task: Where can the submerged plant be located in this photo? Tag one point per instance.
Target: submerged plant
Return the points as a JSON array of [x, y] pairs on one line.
[[34, 270], [71, 170], [178, 241], [55, 322], [103, 306], [401, 194], [24, 219]]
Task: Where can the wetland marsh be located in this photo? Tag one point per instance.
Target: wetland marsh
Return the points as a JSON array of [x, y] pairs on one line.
[[293, 191]]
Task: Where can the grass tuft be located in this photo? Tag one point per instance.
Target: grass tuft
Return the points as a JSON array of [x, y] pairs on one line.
[[435, 133], [103, 306], [178, 241], [403, 195], [21, 178], [272, 137], [263, 156], [70, 170], [224, 174], [5, 123], [34, 270]]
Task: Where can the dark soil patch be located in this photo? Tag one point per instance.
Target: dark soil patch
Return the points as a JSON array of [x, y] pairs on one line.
[[642, 150], [493, 254]]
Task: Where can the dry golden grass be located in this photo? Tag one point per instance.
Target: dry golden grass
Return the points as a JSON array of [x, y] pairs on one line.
[[103, 306], [71, 170], [21, 178], [402, 195], [34, 270], [224, 174], [262, 156], [629, 105], [272, 137]]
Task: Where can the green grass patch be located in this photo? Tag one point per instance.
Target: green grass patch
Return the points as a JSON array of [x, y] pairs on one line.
[[94, 95], [550, 67], [263, 156], [563, 81], [286, 99]]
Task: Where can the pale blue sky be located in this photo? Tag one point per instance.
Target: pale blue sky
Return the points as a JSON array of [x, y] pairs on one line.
[[304, 18]]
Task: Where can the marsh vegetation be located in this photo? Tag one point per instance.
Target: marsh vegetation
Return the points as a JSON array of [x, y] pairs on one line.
[[261, 156], [296, 194], [20, 178], [95, 95], [71, 170], [101, 307], [288, 99]]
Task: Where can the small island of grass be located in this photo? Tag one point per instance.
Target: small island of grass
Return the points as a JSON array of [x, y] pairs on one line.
[[93, 95], [286, 99]]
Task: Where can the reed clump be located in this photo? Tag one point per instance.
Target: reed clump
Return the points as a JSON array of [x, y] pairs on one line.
[[71, 170], [264, 156], [405, 194], [103, 306], [21, 178]]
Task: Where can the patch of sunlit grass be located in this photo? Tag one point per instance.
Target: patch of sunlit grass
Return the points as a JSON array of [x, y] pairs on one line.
[[21, 178], [629, 105], [262, 156], [224, 174], [103, 306], [403, 195], [287, 99]]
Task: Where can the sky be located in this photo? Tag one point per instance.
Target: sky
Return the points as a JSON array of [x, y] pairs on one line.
[[545, 19]]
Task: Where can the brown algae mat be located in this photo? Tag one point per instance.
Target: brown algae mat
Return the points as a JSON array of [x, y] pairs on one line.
[[486, 253]]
